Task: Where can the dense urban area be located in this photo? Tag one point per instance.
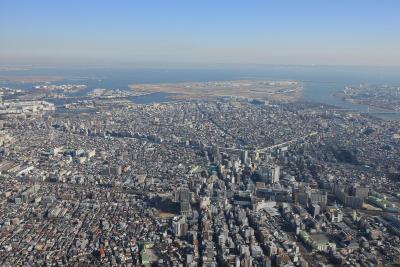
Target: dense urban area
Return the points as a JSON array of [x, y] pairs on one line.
[[223, 181], [384, 97]]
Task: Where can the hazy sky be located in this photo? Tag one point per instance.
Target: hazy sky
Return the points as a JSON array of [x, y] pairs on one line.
[[356, 32]]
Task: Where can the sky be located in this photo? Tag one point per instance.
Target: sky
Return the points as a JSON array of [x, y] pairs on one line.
[[304, 32]]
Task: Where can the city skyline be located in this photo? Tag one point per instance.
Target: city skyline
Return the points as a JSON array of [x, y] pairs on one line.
[[200, 133]]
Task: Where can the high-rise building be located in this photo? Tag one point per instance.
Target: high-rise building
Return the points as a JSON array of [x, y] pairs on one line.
[[216, 153], [183, 197], [244, 155], [184, 208], [318, 197], [180, 226], [275, 174]]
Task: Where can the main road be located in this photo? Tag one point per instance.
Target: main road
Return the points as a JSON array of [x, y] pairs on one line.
[[265, 149]]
